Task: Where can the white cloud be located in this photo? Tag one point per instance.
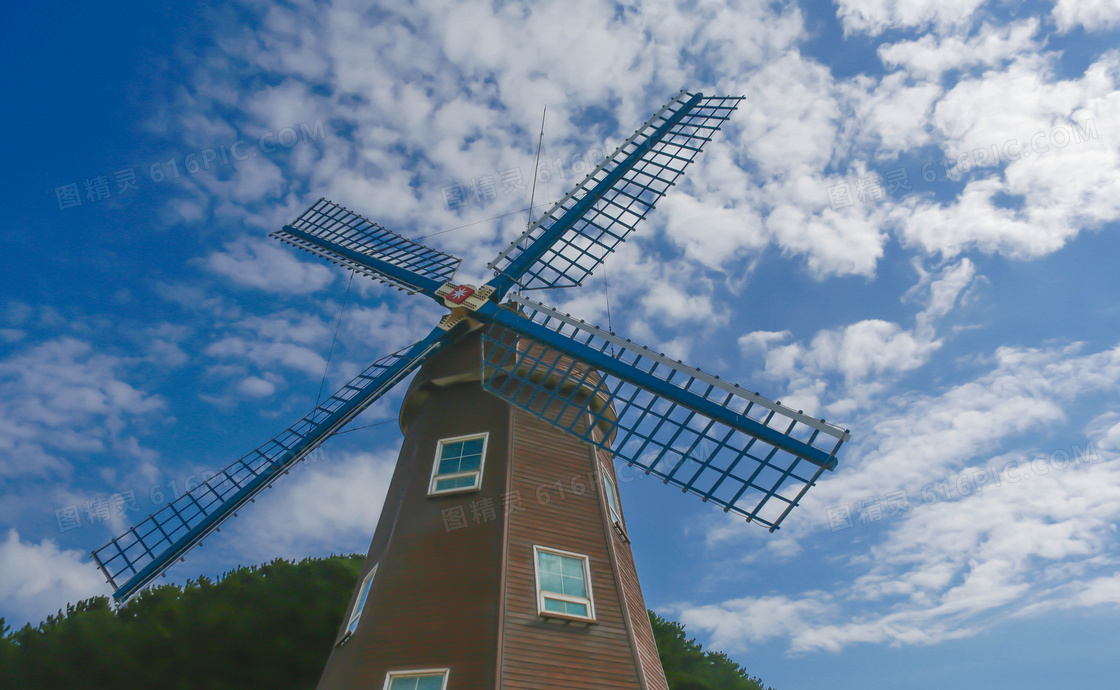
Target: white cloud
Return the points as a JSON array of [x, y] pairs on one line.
[[836, 244], [268, 265], [16, 312], [799, 126], [869, 354], [256, 387], [871, 348], [163, 345], [327, 506], [660, 296], [388, 327], [1093, 15], [1037, 534], [1098, 592], [944, 291], [677, 304], [1038, 172], [269, 355], [59, 399], [712, 236], [1106, 428], [37, 580], [287, 340], [447, 114], [761, 341], [876, 16], [929, 57], [897, 113], [921, 439], [735, 624]]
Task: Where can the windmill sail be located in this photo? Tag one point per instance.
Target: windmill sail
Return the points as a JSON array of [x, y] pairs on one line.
[[752, 456], [146, 550], [569, 242], [336, 234]]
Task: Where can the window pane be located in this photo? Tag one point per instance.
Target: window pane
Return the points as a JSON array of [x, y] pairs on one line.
[[448, 466], [456, 483], [470, 463], [361, 602], [565, 607], [451, 450], [365, 593], [550, 562], [472, 447], [573, 609], [612, 498], [573, 587], [430, 683], [551, 582], [572, 567]]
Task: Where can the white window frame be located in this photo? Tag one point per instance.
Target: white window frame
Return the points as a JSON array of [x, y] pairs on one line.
[[614, 503], [589, 601], [485, 436], [391, 675], [359, 603]]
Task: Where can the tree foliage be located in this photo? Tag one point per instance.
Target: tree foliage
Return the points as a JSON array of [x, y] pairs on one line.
[[688, 667], [287, 616], [185, 638]]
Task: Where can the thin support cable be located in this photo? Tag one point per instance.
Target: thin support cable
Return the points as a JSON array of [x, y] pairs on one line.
[[607, 295], [334, 341], [367, 426], [536, 170], [485, 220]]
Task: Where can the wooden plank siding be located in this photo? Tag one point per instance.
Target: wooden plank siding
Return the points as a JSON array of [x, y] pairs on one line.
[[554, 474]]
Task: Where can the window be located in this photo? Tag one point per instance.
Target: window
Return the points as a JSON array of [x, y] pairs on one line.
[[360, 604], [563, 584], [458, 465], [417, 680], [612, 498]]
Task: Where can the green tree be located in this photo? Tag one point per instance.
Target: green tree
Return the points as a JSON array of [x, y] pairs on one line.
[[185, 638], [688, 667]]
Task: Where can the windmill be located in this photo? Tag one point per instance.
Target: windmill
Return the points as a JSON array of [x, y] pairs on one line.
[[528, 589]]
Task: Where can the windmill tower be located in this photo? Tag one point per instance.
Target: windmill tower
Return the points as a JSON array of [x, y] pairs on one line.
[[501, 559]]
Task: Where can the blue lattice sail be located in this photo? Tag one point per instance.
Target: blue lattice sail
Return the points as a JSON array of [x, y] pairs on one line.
[[567, 243]]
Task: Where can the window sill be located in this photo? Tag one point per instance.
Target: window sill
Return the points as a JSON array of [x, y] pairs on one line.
[[451, 492], [566, 619]]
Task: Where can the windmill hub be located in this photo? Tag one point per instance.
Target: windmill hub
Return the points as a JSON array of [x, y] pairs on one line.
[[461, 300]]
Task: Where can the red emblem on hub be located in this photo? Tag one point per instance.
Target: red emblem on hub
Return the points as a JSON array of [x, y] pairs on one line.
[[460, 294]]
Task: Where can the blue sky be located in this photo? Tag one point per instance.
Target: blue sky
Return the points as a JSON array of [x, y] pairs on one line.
[[909, 227]]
